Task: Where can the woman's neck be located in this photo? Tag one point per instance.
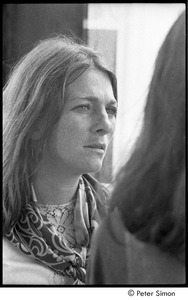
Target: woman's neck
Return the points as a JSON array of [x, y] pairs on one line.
[[52, 188]]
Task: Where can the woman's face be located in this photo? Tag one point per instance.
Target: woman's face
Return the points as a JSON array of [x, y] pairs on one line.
[[80, 139]]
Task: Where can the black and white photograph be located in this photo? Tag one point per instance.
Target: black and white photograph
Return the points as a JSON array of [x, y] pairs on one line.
[[94, 150]]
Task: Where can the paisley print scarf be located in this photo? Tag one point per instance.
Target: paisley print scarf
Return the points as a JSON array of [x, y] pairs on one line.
[[34, 238]]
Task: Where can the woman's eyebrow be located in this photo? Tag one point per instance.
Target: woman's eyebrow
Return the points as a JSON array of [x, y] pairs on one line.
[[93, 98]]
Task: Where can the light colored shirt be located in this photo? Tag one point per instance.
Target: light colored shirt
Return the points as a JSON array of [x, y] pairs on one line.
[[20, 269]]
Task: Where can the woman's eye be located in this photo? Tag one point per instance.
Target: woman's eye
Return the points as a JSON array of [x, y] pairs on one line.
[[112, 111], [83, 107]]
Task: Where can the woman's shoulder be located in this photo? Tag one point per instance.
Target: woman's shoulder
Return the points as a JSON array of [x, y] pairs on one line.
[[21, 269]]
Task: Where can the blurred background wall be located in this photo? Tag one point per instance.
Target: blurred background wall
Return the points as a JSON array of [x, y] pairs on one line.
[[128, 35], [25, 24]]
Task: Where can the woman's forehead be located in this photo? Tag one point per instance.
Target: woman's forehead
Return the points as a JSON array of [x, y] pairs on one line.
[[89, 84]]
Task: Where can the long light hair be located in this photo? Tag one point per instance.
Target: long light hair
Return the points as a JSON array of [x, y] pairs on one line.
[[150, 189], [33, 93]]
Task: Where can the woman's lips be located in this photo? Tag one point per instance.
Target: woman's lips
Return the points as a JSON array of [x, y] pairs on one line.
[[97, 146]]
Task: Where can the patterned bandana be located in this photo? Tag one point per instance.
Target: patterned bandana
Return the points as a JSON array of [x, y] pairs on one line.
[[33, 237]]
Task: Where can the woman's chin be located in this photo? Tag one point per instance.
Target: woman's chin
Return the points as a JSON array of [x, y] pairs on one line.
[[93, 168]]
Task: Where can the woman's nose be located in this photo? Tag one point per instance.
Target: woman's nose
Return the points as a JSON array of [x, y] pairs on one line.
[[103, 124]]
